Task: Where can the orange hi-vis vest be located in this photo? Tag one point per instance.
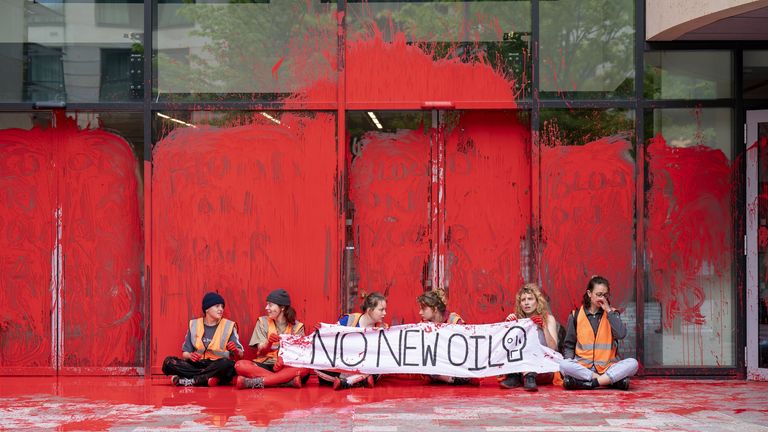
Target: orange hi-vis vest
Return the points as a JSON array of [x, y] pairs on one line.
[[272, 328], [453, 318], [354, 319], [598, 350], [217, 348]]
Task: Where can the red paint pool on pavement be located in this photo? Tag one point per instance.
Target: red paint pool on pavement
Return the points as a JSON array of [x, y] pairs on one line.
[[97, 403]]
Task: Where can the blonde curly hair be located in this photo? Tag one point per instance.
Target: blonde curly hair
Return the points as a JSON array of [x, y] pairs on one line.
[[542, 307]]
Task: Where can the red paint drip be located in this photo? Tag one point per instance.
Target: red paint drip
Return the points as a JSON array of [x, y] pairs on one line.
[[689, 204], [244, 210], [587, 214]]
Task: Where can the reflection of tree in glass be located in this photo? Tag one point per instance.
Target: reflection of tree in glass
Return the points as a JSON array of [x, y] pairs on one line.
[[579, 127], [253, 47], [587, 46]]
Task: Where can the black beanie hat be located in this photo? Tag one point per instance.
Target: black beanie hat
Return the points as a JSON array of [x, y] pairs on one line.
[[212, 299], [279, 297]]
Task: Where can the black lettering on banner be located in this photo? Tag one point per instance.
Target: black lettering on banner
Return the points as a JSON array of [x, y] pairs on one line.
[[477, 353], [317, 338], [365, 349], [514, 342], [429, 353], [466, 349], [407, 347], [395, 357], [490, 351]]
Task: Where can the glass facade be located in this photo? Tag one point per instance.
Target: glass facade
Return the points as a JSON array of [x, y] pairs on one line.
[[351, 147], [68, 51], [246, 51], [587, 49], [688, 75], [690, 302]]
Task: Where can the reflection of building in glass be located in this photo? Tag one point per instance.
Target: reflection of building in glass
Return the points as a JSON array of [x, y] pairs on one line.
[[61, 51]]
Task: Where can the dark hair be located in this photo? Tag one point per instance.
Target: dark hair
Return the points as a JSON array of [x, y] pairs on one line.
[[594, 281], [434, 299], [290, 314], [371, 301]]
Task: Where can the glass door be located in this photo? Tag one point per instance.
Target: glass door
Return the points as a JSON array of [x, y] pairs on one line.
[[438, 199], [757, 245]]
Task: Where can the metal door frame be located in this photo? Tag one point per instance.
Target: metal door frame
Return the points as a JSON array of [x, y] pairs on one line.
[[754, 372]]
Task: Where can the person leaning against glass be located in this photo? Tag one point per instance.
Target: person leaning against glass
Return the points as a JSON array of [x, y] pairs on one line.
[[433, 308], [267, 369], [209, 348], [374, 309], [590, 347], [531, 303]]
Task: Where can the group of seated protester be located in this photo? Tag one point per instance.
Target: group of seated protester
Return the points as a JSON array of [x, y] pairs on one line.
[[212, 345]]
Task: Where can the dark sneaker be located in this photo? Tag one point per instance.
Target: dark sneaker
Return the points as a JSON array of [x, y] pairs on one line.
[[511, 381], [182, 382], [340, 384], [249, 383], [293, 383], [466, 381], [368, 382], [529, 382], [571, 383], [622, 384], [213, 382]]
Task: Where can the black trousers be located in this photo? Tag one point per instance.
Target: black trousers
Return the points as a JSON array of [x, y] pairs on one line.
[[200, 371]]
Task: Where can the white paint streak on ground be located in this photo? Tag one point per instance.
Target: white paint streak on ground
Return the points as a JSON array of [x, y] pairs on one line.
[[375, 429], [47, 413]]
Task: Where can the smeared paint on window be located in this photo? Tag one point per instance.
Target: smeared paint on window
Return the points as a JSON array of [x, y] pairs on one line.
[[243, 210], [77, 189], [587, 217], [488, 213], [389, 188]]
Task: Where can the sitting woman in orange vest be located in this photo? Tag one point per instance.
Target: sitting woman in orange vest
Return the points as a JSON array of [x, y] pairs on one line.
[[590, 346], [209, 347], [531, 303], [267, 369], [374, 309], [433, 308]]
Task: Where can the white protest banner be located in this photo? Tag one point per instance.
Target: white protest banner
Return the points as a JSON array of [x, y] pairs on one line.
[[443, 349]]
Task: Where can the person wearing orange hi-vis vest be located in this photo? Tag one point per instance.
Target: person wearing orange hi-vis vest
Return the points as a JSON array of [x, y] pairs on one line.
[[267, 369], [433, 308], [209, 350], [590, 346], [374, 309]]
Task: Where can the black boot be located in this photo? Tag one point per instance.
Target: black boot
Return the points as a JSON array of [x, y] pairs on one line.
[[529, 382], [466, 381], [341, 384], [622, 384], [571, 383], [511, 381]]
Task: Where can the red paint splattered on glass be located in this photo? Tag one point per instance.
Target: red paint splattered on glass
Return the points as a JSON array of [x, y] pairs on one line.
[[243, 210], [27, 246], [587, 217], [488, 213], [403, 72], [102, 250], [79, 189], [389, 188], [689, 239]]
